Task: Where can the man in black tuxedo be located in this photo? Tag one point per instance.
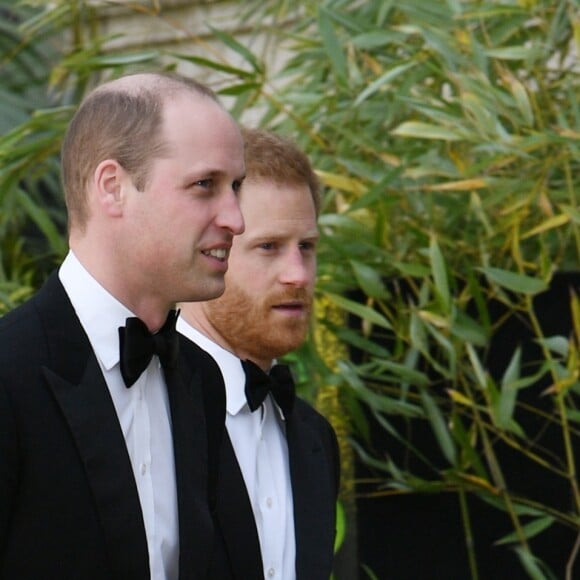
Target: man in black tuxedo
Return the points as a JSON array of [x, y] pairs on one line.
[[279, 471], [99, 481]]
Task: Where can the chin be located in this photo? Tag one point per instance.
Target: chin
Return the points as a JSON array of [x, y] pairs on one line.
[[207, 292], [281, 349]]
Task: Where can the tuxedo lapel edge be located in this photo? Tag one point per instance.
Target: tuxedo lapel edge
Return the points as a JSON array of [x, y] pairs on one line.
[[90, 414], [236, 517], [189, 431]]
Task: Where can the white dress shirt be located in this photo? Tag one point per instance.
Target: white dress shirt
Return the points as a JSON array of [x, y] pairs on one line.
[[143, 412], [259, 442]]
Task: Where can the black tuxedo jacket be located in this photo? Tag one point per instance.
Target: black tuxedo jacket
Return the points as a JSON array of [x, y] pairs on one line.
[[69, 507], [314, 471]]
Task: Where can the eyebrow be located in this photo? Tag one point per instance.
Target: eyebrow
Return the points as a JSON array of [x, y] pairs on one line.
[[276, 235], [208, 172]]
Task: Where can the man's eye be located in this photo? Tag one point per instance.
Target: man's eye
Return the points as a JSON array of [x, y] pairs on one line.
[[237, 185], [267, 245], [205, 183]]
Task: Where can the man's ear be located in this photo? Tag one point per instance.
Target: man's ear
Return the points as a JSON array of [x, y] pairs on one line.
[[109, 178]]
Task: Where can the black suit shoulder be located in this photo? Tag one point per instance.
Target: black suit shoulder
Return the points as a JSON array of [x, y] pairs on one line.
[[43, 492], [326, 433], [20, 330], [42, 332]]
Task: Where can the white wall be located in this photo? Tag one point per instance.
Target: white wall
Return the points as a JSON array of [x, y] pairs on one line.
[[185, 27]]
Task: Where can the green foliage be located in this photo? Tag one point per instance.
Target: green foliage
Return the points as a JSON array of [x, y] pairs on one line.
[[447, 135], [24, 66]]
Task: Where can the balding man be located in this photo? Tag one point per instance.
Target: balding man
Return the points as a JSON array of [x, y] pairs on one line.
[[107, 419]]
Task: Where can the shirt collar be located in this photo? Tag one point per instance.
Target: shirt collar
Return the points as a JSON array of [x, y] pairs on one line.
[[99, 312], [229, 364]]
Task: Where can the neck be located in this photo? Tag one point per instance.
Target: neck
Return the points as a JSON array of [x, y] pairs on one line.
[[152, 310], [193, 314]]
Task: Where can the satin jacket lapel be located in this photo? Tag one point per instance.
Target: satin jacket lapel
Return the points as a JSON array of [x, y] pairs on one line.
[[80, 389], [191, 471], [314, 518], [236, 518]]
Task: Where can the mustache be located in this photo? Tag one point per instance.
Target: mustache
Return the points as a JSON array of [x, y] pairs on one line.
[[291, 295]]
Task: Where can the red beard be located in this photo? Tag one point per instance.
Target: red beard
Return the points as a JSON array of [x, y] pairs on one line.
[[254, 328]]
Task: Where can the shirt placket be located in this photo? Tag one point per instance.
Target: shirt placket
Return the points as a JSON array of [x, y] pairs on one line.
[[269, 504], [142, 446]]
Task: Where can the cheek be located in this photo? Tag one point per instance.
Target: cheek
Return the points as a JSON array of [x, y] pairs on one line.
[[244, 272], [312, 271]]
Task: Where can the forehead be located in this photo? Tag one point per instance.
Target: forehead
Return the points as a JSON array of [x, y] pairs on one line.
[[198, 130], [184, 110], [277, 208]]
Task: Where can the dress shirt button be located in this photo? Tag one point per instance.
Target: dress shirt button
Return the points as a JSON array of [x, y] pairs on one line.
[[143, 468], [269, 502], [271, 573]]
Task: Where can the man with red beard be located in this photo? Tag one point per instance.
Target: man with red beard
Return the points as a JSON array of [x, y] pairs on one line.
[[279, 465]]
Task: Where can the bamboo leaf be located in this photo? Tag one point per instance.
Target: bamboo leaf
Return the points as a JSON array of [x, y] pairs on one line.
[[239, 89], [480, 374], [551, 223], [360, 310], [575, 307], [369, 279], [439, 427], [439, 270], [530, 564], [514, 282], [214, 65], [342, 182], [522, 100], [512, 53], [239, 49], [340, 526], [404, 372], [367, 458], [332, 45], [460, 398], [468, 457], [42, 219], [421, 130], [376, 401], [354, 338], [468, 330], [446, 363], [417, 333], [530, 530], [375, 39], [119, 60], [436, 320], [572, 212], [415, 270], [508, 395], [556, 344], [462, 185], [383, 80], [376, 194]]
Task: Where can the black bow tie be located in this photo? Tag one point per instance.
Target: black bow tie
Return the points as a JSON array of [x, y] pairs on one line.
[[279, 382], [138, 346]]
